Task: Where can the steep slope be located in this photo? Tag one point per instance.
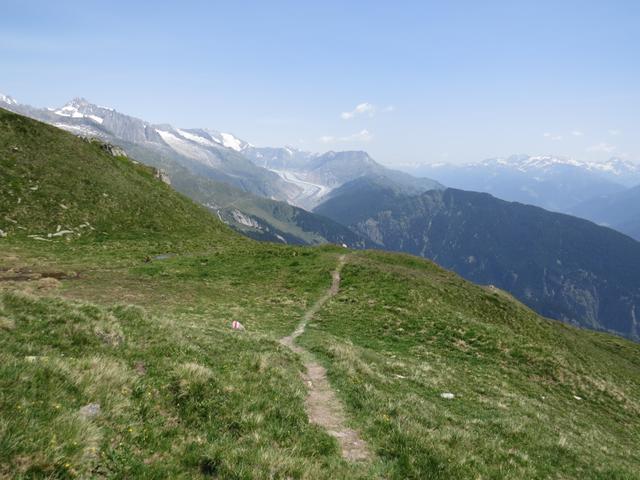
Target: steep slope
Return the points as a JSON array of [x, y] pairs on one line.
[[206, 153], [113, 365], [206, 166], [620, 211], [265, 219], [254, 216], [55, 185], [361, 198], [553, 183], [561, 266]]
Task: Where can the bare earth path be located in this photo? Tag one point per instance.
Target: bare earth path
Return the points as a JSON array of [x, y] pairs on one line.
[[322, 404]]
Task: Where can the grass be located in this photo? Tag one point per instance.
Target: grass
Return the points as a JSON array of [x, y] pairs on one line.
[[54, 182], [216, 402], [117, 359], [181, 395], [533, 398]]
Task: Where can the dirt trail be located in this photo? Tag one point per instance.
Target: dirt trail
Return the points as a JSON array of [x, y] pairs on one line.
[[322, 404]]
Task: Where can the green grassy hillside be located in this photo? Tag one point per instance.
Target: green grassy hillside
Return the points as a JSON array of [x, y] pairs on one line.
[[115, 365], [533, 398], [53, 181], [563, 267], [254, 216]]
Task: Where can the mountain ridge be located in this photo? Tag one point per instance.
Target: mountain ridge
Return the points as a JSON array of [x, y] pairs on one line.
[[548, 181]]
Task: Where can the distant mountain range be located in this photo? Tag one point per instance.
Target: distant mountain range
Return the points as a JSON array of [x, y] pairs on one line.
[[241, 183], [561, 266], [551, 182]]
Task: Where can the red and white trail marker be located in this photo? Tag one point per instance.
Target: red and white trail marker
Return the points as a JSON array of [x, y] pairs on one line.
[[236, 325]]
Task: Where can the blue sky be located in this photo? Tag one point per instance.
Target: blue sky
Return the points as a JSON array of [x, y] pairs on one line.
[[434, 81]]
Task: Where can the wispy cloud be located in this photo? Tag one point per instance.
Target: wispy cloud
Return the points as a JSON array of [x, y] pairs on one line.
[[552, 136], [577, 133], [602, 147], [361, 136], [365, 108], [614, 133]]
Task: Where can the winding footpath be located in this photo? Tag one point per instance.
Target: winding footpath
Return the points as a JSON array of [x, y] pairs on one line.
[[322, 404]]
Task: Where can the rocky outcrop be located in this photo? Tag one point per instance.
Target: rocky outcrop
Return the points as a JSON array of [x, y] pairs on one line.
[[111, 149], [162, 175]]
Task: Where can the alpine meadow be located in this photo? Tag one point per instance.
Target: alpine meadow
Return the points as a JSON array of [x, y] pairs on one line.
[[376, 286]]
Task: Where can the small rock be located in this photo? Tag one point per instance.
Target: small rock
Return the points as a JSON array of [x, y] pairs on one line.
[[90, 411], [447, 395]]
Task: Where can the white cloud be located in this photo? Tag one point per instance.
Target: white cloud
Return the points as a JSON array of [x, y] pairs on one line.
[[552, 136], [614, 133], [367, 109], [602, 147], [361, 136], [577, 133]]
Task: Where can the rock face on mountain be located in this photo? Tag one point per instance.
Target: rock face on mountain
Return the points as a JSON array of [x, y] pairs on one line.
[[553, 183], [561, 266]]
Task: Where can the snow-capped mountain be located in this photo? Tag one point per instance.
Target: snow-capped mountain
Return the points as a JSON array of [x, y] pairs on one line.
[[300, 178], [209, 153], [552, 182], [6, 99], [80, 108], [622, 170]]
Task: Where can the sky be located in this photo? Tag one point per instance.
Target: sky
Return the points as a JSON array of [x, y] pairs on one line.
[[411, 82]]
